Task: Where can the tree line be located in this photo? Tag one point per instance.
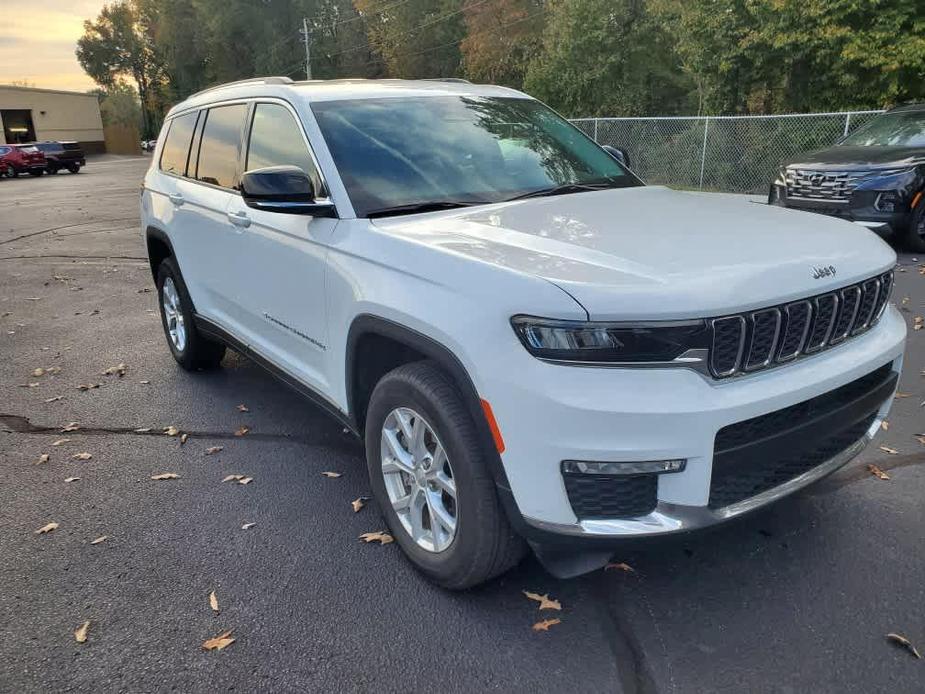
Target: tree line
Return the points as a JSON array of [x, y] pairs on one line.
[[583, 57]]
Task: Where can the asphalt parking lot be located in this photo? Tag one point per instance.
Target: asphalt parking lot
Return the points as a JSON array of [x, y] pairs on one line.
[[796, 598]]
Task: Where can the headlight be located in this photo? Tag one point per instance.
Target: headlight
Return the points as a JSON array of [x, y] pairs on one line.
[[614, 343]]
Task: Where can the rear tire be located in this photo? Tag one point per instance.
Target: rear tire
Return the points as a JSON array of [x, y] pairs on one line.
[[36, 172], [915, 232], [482, 545], [73, 168], [189, 347], [51, 170]]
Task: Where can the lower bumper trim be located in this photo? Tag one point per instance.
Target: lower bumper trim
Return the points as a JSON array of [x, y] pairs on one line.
[[672, 518]]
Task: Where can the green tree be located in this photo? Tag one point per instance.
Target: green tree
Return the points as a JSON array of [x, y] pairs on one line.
[[502, 37], [609, 58]]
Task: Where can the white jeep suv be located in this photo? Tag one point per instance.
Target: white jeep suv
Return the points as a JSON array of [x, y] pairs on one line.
[[537, 348]]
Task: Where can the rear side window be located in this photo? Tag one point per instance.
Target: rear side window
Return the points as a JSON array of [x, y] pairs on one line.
[[221, 139], [176, 146], [4, 150], [276, 140]]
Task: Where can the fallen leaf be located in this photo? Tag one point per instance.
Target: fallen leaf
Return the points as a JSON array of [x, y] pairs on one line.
[[242, 430], [233, 478], [332, 475], [248, 526], [42, 459], [545, 624], [920, 438], [143, 430], [213, 601], [33, 298], [114, 370], [88, 386], [60, 442], [144, 383], [101, 538], [219, 642], [383, 538], [918, 323], [183, 438], [54, 399], [166, 476], [71, 479], [899, 395], [905, 643], [82, 456], [245, 480], [38, 372], [358, 503], [46, 528], [73, 426], [877, 472], [885, 425], [81, 633], [543, 600], [243, 408], [887, 449], [214, 449], [622, 566], [171, 430], [28, 385]]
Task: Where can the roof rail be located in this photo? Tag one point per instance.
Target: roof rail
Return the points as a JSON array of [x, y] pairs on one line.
[[446, 79], [252, 80]]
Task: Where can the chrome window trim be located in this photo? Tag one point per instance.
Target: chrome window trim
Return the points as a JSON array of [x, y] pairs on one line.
[[809, 319]]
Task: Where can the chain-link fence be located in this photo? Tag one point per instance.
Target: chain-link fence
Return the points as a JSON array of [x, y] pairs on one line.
[[736, 154]]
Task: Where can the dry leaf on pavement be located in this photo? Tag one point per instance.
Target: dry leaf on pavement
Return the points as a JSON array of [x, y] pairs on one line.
[[905, 643], [917, 324], [358, 503], [920, 438], [245, 480], [46, 528], [71, 479], [82, 456], [183, 438], [243, 408], [242, 430], [219, 642], [899, 395], [212, 450], [248, 526], [877, 472], [622, 566], [59, 442], [38, 372], [54, 399], [42, 459], [114, 370], [71, 426], [80, 634], [885, 425], [544, 600], [88, 386], [166, 476], [332, 475], [545, 624], [213, 601], [233, 478], [171, 430], [101, 538], [383, 538], [887, 449]]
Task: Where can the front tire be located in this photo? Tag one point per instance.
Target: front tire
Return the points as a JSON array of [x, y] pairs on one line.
[[36, 172], [189, 347], [915, 232], [73, 168], [430, 477]]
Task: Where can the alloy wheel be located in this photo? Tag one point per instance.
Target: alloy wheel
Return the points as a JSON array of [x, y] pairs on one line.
[[173, 314]]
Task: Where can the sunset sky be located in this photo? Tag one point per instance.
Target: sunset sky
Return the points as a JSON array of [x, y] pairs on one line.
[[37, 42]]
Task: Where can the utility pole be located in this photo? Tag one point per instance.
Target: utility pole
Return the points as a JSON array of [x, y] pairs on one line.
[[308, 54]]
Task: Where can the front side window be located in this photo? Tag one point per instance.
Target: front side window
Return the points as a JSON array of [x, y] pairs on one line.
[[176, 146], [221, 139], [276, 140], [404, 151], [900, 129]]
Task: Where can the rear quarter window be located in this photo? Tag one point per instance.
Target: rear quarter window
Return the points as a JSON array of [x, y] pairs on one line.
[[176, 146]]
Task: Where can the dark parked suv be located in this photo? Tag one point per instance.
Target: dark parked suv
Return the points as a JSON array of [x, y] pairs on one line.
[[875, 177], [61, 155]]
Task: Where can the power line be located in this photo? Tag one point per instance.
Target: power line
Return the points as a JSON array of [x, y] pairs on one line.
[[374, 12]]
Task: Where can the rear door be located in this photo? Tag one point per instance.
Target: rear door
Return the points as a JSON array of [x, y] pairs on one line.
[[283, 256]]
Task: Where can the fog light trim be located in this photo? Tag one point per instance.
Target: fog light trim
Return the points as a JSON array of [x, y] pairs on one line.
[[623, 469]]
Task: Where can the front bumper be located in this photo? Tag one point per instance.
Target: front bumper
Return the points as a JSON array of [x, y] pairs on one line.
[[551, 413]]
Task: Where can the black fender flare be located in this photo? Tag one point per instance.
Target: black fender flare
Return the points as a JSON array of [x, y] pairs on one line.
[[153, 232]]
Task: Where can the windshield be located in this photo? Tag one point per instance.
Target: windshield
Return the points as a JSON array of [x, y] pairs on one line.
[[403, 152], [900, 129]]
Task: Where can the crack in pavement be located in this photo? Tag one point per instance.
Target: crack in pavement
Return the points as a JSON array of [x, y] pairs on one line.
[[66, 226], [860, 472], [74, 257], [17, 424]]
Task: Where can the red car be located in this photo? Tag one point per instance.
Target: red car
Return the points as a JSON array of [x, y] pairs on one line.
[[23, 159]]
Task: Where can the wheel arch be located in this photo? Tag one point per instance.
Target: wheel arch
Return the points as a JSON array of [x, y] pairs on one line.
[[159, 247]]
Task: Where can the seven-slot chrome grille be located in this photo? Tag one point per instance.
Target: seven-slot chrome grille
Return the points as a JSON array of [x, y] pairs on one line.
[[759, 339], [822, 185]]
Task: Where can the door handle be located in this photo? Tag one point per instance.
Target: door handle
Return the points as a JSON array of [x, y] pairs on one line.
[[239, 219], [176, 199]]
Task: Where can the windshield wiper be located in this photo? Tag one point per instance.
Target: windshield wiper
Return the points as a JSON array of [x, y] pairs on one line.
[[564, 189], [431, 206]]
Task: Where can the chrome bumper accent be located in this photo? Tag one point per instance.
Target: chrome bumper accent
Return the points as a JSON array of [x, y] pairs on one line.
[[672, 518], [875, 226]]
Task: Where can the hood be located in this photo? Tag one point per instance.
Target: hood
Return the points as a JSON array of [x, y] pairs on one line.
[[853, 158], [650, 253]]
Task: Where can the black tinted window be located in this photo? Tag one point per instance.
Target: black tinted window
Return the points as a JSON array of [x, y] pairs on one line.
[[276, 140], [218, 151], [176, 146]]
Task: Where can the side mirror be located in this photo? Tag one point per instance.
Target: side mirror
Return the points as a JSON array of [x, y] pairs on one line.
[[617, 153], [285, 189]]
